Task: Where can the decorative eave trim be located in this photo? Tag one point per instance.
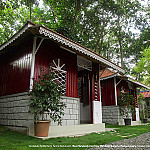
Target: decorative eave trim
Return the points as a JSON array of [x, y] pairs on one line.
[[138, 83], [19, 33], [62, 40]]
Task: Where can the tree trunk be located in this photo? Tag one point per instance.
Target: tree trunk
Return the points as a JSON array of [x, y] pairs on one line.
[[30, 10], [121, 52], [53, 13], [100, 39], [76, 13], [107, 51], [120, 42]]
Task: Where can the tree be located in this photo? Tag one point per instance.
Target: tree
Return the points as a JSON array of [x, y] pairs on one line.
[[143, 67], [125, 14], [14, 13], [29, 4], [102, 26], [8, 11]]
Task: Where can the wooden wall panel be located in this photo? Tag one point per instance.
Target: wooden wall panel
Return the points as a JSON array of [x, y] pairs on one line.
[[108, 92], [50, 51], [15, 66]]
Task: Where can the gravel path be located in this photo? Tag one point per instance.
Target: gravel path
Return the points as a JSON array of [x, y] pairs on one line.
[[141, 142]]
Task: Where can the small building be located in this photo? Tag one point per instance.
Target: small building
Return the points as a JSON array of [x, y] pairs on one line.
[[21, 59], [146, 95], [112, 84]]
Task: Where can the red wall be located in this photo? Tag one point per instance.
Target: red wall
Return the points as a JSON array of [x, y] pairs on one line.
[[15, 66], [108, 92], [50, 51]]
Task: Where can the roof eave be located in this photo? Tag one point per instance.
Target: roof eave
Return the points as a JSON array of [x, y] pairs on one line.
[[15, 36], [63, 40], [108, 77], [138, 84]]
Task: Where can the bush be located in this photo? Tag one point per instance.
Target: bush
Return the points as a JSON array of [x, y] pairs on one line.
[[126, 104], [46, 97]]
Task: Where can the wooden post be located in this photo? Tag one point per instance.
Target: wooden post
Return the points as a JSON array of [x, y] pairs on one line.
[[116, 101], [33, 63]]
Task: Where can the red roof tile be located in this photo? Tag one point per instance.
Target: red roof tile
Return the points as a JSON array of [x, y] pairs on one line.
[[107, 73], [145, 93]]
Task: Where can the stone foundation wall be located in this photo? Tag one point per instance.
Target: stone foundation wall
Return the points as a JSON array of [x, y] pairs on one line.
[[71, 112], [14, 112], [110, 114]]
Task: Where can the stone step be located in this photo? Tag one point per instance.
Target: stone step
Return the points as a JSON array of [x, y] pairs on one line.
[[135, 123], [72, 130]]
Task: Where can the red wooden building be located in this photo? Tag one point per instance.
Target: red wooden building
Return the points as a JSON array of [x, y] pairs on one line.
[[23, 56], [112, 84]]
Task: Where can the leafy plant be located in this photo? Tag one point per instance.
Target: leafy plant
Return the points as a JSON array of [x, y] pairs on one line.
[[143, 107], [46, 97], [143, 66], [126, 105]]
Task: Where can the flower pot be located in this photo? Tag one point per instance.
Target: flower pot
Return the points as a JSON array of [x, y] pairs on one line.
[[41, 128], [127, 121], [144, 120]]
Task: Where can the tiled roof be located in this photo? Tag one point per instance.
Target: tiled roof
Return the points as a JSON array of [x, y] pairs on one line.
[[145, 93], [107, 73]]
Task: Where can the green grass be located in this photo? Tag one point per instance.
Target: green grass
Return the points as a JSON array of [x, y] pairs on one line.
[[16, 141]]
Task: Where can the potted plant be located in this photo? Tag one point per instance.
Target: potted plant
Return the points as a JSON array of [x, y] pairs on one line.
[[45, 100], [126, 107]]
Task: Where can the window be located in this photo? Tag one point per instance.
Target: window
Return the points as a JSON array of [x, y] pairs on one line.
[[60, 71]]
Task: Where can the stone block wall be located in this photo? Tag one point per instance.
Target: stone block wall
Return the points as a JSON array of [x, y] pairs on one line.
[[71, 112], [14, 112], [110, 114]]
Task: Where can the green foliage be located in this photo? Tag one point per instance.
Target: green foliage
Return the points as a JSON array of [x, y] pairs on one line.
[[140, 99], [103, 26], [46, 97], [143, 66], [126, 104], [143, 103]]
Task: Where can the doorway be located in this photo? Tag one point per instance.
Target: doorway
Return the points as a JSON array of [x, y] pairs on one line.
[[84, 94]]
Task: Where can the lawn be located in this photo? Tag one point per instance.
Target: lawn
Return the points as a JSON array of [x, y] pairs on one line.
[[10, 140]]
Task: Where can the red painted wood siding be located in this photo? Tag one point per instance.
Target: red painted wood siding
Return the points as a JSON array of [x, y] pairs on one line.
[[15, 66], [108, 92], [50, 51]]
